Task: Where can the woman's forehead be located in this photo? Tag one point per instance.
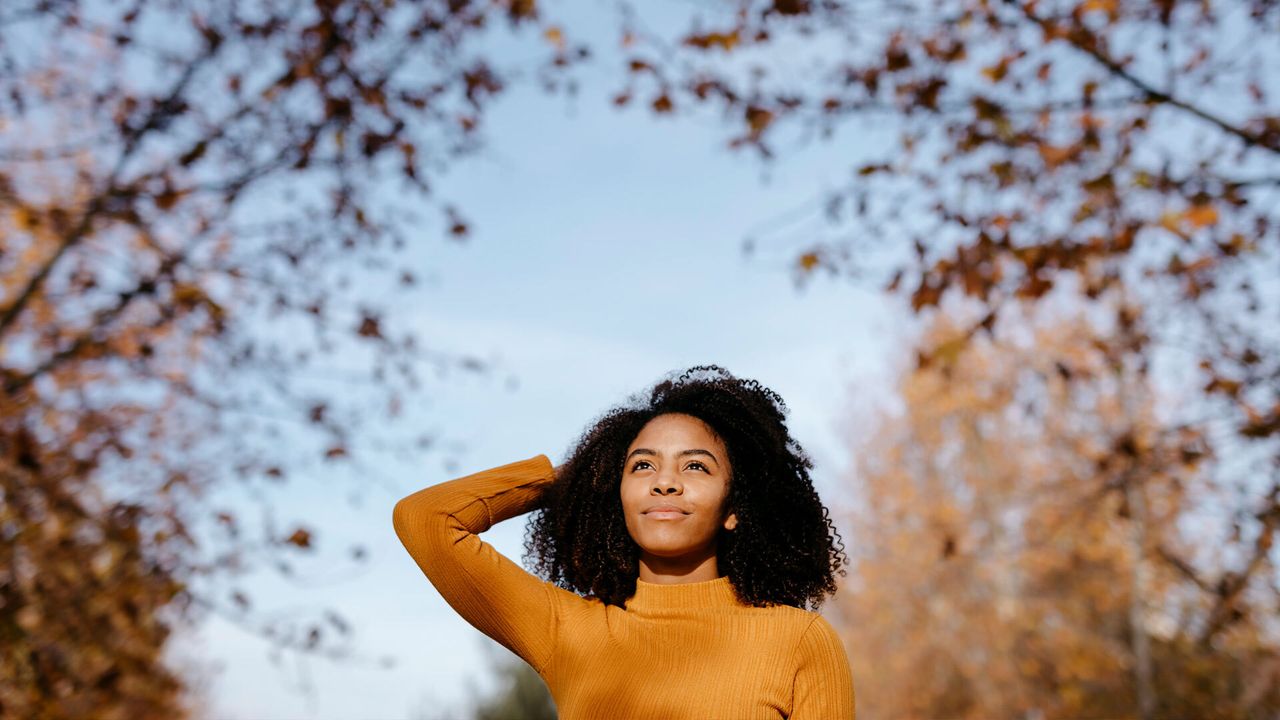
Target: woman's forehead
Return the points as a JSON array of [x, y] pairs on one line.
[[676, 423]]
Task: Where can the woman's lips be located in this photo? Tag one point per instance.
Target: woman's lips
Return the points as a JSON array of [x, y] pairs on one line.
[[664, 514]]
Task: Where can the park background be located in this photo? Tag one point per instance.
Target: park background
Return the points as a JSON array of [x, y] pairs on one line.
[[1020, 300]]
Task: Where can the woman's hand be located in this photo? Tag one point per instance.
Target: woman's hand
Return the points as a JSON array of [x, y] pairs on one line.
[[545, 494]]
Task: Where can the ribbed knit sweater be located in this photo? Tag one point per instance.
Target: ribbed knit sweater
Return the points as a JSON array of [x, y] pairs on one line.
[[689, 650]]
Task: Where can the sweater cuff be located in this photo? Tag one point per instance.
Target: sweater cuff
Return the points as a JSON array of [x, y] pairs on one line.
[[512, 489]]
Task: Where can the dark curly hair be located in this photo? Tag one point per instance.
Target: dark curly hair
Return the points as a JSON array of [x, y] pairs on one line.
[[784, 550]]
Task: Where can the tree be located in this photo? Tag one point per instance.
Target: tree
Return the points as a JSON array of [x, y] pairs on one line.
[[185, 191], [521, 693], [1009, 531], [1125, 149], [81, 600]]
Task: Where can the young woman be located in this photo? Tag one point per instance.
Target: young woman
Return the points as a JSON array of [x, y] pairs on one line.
[[681, 543]]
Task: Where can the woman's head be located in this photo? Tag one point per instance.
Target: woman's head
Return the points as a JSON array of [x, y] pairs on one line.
[[750, 500], [675, 491]]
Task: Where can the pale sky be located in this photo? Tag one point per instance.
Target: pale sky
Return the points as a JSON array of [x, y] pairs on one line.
[[605, 253]]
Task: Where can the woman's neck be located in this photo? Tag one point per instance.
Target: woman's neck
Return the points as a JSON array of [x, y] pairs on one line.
[[670, 571]]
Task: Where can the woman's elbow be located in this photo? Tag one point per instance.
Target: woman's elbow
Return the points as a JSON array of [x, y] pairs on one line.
[[412, 522], [422, 526]]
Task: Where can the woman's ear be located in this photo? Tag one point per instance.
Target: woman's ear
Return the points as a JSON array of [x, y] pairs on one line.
[[731, 521]]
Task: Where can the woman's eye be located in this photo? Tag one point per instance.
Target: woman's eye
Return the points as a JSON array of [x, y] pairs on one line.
[[638, 463]]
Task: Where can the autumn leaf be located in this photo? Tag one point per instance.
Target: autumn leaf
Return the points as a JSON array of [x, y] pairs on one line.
[[1171, 221], [25, 219], [949, 351], [1201, 215], [758, 119], [1260, 425], [370, 328], [1054, 155], [927, 294], [555, 36], [301, 537], [996, 73], [726, 41], [1223, 385], [1109, 7]]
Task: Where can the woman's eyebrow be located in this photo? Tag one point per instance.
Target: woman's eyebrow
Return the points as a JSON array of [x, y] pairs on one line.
[[682, 453]]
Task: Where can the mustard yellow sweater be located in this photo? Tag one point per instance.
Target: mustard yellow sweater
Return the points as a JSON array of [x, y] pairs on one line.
[[676, 651]]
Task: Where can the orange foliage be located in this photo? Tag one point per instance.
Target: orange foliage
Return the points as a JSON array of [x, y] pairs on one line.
[[182, 195], [1012, 525]]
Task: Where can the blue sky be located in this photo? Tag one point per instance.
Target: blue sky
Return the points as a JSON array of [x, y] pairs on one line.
[[606, 252]]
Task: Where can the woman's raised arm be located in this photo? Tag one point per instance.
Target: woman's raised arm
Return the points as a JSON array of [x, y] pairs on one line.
[[439, 526]]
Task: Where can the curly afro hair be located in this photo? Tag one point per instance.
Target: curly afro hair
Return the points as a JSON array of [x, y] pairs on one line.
[[784, 550]]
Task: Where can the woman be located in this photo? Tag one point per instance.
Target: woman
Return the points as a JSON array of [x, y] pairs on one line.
[[681, 542]]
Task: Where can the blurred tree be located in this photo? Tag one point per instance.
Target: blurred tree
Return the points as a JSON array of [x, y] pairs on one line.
[[81, 600], [196, 201], [520, 694], [1008, 540], [1006, 147]]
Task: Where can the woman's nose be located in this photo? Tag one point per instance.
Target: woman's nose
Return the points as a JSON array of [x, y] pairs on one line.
[[666, 484]]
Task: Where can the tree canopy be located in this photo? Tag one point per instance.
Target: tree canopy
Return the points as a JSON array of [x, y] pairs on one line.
[[195, 201], [186, 187], [1123, 150]]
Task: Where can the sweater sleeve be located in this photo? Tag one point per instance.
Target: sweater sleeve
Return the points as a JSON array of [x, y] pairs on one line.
[[824, 682], [438, 525]]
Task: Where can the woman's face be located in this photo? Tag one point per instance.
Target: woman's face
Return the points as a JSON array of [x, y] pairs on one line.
[[677, 461]]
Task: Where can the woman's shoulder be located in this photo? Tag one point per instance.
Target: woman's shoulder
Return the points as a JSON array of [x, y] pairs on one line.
[[807, 621], [785, 621], [801, 625], [791, 613]]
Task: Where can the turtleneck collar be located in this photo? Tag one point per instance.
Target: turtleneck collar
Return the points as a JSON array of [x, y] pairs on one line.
[[706, 595]]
